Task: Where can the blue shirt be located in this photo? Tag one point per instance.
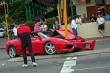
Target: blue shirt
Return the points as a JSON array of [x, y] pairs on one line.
[[106, 17]]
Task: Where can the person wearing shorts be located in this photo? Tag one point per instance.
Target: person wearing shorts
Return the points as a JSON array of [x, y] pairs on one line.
[[100, 22]]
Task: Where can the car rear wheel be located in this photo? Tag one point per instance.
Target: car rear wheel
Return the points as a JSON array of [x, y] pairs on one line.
[[49, 48], [12, 52]]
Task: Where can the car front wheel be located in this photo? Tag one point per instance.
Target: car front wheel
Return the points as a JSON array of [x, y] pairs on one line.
[[49, 48], [12, 52]]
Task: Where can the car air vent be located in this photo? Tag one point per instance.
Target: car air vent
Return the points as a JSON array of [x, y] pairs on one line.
[[69, 46]]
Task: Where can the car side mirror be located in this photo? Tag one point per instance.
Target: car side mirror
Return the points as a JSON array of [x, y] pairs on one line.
[[37, 37]]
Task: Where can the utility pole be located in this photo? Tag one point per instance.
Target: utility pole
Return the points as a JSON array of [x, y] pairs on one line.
[[59, 11], [65, 19], [6, 19]]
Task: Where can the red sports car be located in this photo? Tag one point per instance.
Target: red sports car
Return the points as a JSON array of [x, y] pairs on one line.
[[78, 42], [41, 44]]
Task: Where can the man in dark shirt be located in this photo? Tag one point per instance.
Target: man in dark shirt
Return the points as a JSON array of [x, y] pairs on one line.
[[93, 18], [24, 34]]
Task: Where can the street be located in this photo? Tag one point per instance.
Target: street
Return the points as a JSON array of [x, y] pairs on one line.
[[77, 36], [96, 63], [65, 63]]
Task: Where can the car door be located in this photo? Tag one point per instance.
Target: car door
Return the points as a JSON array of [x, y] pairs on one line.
[[37, 45]]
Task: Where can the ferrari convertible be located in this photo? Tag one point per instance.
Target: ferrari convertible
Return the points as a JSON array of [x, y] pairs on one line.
[[42, 44], [78, 42]]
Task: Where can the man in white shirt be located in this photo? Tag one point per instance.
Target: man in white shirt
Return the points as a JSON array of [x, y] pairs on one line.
[[100, 22], [74, 27], [15, 32]]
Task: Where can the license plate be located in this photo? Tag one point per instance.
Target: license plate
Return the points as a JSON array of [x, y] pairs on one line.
[[87, 46]]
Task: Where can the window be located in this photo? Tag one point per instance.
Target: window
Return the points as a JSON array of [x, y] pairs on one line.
[[100, 2]]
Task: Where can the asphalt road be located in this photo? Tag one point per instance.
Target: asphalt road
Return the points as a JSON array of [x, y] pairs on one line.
[[94, 63], [90, 63], [2, 42], [104, 43]]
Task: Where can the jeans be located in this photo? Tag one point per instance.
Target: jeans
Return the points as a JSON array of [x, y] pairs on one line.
[[75, 31], [26, 43]]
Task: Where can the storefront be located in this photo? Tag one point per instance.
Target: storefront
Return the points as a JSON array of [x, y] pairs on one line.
[[90, 7]]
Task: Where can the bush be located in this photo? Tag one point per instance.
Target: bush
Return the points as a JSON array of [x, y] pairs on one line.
[[50, 22], [30, 24]]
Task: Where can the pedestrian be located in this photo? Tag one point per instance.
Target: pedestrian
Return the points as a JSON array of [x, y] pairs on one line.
[[36, 27], [24, 34], [93, 18], [74, 27], [100, 22], [15, 31], [107, 16], [56, 26], [79, 20], [44, 27]]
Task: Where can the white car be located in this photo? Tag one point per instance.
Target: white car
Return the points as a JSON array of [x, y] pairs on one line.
[[2, 33]]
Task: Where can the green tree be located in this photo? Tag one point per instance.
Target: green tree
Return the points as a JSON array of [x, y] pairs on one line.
[[50, 22], [30, 24]]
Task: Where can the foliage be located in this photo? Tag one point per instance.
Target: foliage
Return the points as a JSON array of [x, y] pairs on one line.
[[2, 18], [50, 22], [30, 24], [16, 10]]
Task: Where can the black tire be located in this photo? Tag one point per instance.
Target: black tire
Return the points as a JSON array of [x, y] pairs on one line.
[[12, 52], [49, 48]]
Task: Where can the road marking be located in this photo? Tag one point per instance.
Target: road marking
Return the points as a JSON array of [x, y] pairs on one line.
[[93, 68], [68, 64]]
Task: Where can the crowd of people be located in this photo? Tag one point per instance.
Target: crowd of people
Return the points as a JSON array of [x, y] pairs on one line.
[[93, 18], [99, 19]]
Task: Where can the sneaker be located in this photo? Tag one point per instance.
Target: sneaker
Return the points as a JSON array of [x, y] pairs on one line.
[[34, 64], [24, 65]]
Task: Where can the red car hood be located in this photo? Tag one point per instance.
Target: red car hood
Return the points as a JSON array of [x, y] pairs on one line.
[[62, 33]]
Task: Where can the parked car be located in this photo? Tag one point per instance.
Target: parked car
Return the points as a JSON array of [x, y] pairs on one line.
[[2, 33], [79, 42], [42, 44]]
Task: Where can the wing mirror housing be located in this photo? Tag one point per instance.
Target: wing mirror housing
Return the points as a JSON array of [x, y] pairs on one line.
[[37, 37]]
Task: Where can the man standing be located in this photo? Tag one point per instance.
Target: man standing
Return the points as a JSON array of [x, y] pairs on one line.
[[24, 34], [56, 26], [74, 27], [36, 27], [15, 32], [100, 22]]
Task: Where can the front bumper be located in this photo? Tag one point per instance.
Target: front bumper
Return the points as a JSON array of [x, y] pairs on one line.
[[86, 45]]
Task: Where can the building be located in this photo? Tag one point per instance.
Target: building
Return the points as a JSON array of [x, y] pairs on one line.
[[90, 7]]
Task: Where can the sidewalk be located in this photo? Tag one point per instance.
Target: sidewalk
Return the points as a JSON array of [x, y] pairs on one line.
[[2, 43]]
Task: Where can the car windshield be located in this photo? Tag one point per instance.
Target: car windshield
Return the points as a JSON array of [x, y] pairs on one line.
[[42, 35]]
